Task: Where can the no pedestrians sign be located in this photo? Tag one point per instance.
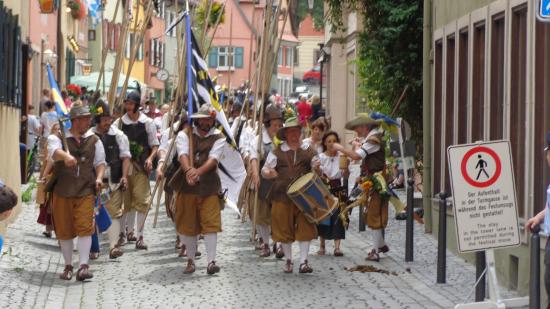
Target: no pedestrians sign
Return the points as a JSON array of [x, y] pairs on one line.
[[484, 196]]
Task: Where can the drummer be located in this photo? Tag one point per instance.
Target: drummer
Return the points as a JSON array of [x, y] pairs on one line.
[[289, 161], [328, 167]]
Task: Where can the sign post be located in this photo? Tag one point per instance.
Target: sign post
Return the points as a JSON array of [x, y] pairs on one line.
[[485, 207]]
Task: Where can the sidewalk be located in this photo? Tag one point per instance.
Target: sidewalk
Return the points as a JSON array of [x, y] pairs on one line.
[[30, 266]]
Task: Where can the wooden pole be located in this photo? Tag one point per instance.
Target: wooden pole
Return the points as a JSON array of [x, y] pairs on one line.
[[206, 21], [119, 58], [218, 20], [104, 53]]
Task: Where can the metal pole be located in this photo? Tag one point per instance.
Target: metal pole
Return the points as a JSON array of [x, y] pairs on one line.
[[481, 264], [534, 284], [427, 116], [409, 236], [442, 239]]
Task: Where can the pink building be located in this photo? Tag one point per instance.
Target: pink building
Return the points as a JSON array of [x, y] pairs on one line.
[[43, 45], [233, 48], [154, 54], [285, 62]]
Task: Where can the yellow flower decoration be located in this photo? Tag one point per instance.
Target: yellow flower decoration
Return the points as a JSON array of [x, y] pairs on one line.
[[100, 110]]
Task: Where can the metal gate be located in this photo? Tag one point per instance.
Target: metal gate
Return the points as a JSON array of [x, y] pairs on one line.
[[10, 58]]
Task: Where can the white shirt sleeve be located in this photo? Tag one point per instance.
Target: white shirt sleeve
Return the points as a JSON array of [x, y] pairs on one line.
[[123, 145], [151, 132], [217, 149], [99, 157], [164, 144], [270, 161], [54, 143], [182, 144], [367, 148]]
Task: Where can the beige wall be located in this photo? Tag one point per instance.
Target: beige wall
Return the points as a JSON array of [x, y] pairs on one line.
[[445, 11], [306, 54], [9, 160]]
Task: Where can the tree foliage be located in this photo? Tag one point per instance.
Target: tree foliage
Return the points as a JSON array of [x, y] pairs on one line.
[[317, 13], [389, 55]]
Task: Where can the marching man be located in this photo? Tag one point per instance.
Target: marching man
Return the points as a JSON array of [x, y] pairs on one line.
[[198, 187], [285, 163], [117, 156], [142, 134], [79, 175]]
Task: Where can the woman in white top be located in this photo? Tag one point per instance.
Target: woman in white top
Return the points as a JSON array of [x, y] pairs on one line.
[[318, 128], [328, 166]]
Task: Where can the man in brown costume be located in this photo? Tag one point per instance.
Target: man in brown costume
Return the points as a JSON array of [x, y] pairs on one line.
[[198, 186], [287, 162], [78, 176], [273, 121], [372, 154]]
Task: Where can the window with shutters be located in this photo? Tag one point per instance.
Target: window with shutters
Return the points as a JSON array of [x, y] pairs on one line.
[[170, 17], [224, 58], [288, 57], [156, 53], [130, 46]]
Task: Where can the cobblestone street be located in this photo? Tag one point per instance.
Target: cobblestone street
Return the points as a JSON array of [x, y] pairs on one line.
[[30, 266]]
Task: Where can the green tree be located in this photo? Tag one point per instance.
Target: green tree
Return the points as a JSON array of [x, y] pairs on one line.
[[389, 54]]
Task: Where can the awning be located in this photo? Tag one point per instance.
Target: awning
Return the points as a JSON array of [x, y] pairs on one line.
[[89, 81]]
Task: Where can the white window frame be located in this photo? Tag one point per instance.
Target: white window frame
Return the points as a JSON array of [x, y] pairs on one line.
[[229, 58]]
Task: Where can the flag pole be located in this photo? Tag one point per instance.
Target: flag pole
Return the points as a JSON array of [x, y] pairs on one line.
[[188, 54]]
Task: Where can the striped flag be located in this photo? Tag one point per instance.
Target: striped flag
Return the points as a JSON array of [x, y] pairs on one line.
[[203, 90], [60, 107]]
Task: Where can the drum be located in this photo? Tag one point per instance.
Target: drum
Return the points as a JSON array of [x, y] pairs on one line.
[[313, 198]]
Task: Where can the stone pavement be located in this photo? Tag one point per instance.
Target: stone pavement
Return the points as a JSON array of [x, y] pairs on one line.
[[30, 266]]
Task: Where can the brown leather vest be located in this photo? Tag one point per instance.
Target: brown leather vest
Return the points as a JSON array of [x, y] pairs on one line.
[[209, 183], [374, 162], [289, 170], [77, 181]]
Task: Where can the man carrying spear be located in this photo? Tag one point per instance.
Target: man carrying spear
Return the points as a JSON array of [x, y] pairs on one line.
[[79, 165], [142, 134], [198, 187], [117, 156]]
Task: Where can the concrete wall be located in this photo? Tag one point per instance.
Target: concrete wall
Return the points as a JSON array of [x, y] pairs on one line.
[[445, 11]]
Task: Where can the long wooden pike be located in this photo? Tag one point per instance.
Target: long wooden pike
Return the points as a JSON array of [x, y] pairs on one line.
[[139, 41], [218, 20], [119, 58], [104, 53]]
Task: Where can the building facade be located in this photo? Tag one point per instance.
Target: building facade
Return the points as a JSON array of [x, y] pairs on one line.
[[489, 73], [308, 52], [341, 99]]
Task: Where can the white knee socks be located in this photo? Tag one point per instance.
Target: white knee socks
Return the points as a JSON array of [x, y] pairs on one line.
[[287, 249], [84, 245], [67, 251], [140, 220], [131, 220], [210, 242], [113, 232], [378, 239], [265, 232], [304, 251], [190, 243]]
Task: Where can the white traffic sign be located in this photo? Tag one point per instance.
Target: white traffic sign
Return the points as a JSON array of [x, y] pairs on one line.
[[484, 196]]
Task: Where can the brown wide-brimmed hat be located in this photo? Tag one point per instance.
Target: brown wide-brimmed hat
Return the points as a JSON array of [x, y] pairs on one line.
[[289, 123], [361, 119], [205, 111], [79, 111], [272, 112]]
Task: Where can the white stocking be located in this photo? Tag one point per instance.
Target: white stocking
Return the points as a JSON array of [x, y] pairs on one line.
[[287, 249], [140, 220], [113, 232], [304, 251], [67, 251], [210, 241], [190, 243], [378, 239], [131, 220], [84, 245]]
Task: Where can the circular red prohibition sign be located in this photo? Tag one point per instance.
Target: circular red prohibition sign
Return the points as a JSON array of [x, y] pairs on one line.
[[469, 179]]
